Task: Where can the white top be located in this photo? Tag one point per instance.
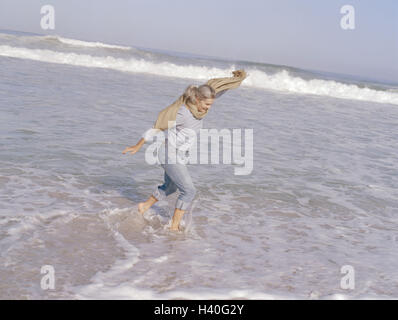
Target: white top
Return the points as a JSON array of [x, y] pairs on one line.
[[183, 135]]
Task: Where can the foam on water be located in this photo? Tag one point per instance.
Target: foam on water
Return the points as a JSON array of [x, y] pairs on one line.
[[128, 292], [281, 81], [89, 44]]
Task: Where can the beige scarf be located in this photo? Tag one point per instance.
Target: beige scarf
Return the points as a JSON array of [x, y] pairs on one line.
[[218, 84]]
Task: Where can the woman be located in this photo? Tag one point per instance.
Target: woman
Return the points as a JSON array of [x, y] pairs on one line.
[[187, 112]]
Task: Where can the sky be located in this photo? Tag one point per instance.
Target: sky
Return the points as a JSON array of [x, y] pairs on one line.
[[301, 33]]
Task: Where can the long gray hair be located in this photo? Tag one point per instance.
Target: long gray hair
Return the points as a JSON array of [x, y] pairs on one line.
[[192, 93]]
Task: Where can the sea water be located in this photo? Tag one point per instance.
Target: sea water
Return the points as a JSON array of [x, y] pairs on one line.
[[322, 193]]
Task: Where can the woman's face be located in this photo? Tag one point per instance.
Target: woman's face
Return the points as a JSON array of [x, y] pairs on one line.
[[204, 105]]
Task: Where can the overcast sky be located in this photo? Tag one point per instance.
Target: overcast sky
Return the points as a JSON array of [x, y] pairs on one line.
[[301, 33]]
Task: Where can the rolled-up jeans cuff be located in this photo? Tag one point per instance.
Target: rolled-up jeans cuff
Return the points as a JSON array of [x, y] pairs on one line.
[[182, 205], [159, 194]]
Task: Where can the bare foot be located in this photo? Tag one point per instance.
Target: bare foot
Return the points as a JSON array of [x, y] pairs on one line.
[[142, 208], [175, 229]]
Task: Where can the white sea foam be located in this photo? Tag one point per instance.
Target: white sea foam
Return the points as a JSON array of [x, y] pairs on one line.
[[127, 291], [89, 44], [281, 81]]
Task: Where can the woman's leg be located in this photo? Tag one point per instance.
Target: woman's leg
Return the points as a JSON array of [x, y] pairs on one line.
[[175, 223], [180, 176], [144, 206], [160, 193], [166, 189]]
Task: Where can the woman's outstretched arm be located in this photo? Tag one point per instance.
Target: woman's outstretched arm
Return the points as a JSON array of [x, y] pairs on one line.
[[135, 148], [148, 135]]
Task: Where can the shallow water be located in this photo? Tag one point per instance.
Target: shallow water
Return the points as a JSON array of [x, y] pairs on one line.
[[322, 194]]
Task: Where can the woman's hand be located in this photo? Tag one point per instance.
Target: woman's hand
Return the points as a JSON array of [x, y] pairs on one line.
[[132, 149], [239, 73], [135, 148]]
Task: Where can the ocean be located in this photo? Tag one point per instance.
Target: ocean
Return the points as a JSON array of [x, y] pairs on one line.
[[322, 195]]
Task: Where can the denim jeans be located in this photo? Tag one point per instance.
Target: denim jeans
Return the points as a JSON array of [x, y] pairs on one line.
[[176, 176]]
